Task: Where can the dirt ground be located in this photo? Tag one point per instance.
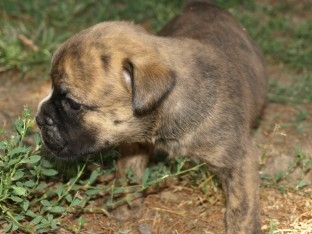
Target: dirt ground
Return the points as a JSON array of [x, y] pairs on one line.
[[181, 209]]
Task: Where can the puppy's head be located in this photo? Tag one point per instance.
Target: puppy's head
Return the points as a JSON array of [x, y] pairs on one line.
[[107, 83]]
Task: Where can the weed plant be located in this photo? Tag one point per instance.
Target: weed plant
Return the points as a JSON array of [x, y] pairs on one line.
[[34, 199]]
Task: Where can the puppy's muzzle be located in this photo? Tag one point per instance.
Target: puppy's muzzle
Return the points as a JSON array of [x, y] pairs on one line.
[[50, 133]]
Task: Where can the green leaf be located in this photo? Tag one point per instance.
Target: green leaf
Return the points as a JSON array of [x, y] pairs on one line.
[[59, 190], [53, 225], [57, 209], [15, 140], [34, 172], [19, 217], [41, 186], [75, 187], [30, 213], [19, 190], [49, 172], [119, 190], [30, 183], [15, 227], [279, 176], [18, 174], [49, 218], [69, 198], [145, 176], [46, 164], [13, 162], [19, 184], [81, 221], [3, 145], [93, 176], [308, 163], [16, 199], [301, 184], [76, 202], [42, 226], [37, 220], [181, 162], [8, 228], [25, 205], [45, 203], [20, 150], [91, 192], [19, 126], [32, 159], [37, 139]]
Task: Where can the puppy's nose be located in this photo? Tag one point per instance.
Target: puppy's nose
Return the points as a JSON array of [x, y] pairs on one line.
[[44, 120]]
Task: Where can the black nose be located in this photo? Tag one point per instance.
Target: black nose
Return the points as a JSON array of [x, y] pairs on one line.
[[41, 121]]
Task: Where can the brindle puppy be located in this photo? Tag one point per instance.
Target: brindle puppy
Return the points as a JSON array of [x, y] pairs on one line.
[[196, 90]]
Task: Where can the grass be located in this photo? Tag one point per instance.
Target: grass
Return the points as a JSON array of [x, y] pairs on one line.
[[35, 195], [301, 162], [295, 92], [31, 32], [284, 38], [46, 24], [30, 203]]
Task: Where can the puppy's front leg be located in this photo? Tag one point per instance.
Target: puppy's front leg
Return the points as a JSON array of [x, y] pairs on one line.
[[240, 185], [134, 157]]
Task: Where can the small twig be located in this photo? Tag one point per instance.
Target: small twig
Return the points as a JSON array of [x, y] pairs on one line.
[[27, 42], [169, 211], [91, 210]]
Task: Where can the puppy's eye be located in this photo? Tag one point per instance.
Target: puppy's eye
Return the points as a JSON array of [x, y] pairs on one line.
[[71, 103]]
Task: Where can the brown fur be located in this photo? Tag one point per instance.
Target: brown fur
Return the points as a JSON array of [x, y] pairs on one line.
[[194, 91]]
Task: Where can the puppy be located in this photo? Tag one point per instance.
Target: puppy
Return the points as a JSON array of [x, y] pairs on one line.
[[195, 90]]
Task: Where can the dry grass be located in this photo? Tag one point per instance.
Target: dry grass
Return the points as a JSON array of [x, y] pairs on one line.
[[287, 213]]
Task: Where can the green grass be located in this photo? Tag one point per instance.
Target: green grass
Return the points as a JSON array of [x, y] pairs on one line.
[[283, 36], [47, 24], [27, 200], [280, 180], [281, 32], [296, 92], [34, 197]]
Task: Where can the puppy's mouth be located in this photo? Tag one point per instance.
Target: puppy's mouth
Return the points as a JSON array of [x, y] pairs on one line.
[[54, 142], [63, 147], [52, 138], [67, 151]]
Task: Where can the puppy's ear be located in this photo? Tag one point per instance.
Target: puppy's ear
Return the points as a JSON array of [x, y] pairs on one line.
[[150, 83]]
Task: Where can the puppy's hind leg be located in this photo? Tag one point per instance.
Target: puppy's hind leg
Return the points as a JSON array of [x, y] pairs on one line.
[[241, 186], [132, 163]]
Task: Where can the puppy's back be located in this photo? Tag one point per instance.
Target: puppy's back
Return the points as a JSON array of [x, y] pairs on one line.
[[210, 24], [206, 22]]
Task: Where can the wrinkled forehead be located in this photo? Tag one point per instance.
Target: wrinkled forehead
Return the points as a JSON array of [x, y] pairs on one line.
[[76, 61], [84, 71], [93, 59], [99, 41]]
